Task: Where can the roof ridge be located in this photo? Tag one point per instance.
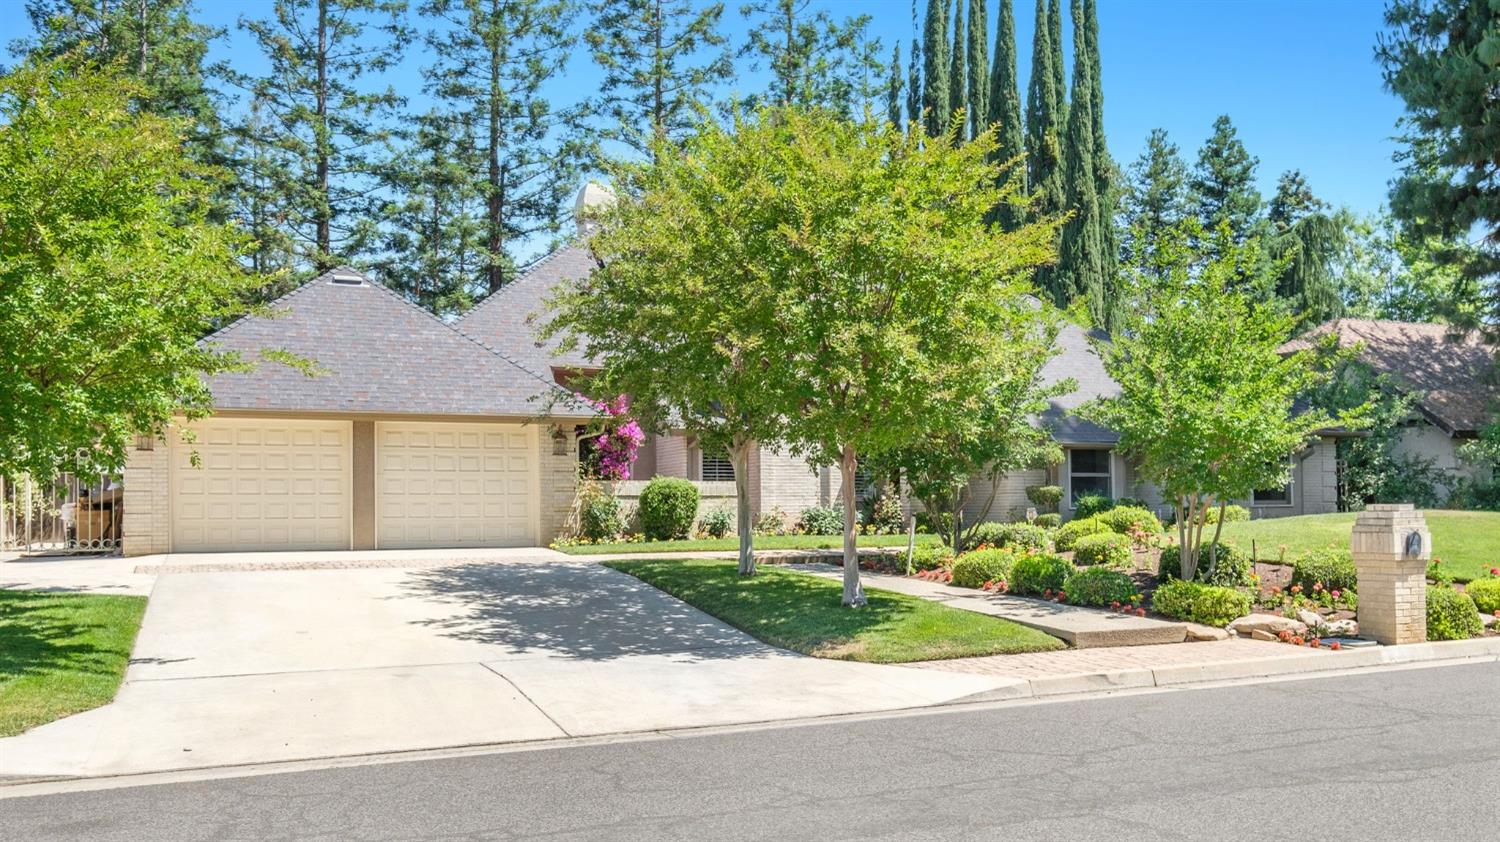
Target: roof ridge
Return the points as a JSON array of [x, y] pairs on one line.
[[244, 317]]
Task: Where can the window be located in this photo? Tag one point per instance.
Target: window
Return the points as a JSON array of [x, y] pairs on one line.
[[1273, 496], [864, 485], [588, 456], [1089, 473], [716, 467]]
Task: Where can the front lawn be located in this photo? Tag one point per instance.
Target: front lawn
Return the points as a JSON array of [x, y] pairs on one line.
[[762, 542], [61, 653], [801, 612], [1467, 542]]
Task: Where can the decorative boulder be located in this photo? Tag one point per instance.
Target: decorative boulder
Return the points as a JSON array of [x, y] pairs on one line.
[[1269, 623]]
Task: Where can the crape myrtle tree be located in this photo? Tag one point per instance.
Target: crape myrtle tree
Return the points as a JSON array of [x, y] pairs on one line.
[[894, 309], [1207, 402]]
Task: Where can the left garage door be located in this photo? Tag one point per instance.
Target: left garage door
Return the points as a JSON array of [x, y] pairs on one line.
[[262, 486]]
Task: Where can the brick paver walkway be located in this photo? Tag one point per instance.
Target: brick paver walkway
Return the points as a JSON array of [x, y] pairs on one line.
[[1111, 659]]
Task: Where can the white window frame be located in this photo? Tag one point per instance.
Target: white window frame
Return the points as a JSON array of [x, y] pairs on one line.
[[1109, 475]]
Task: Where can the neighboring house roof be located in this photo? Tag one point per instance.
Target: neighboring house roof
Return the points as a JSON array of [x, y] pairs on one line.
[[379, 353], [511, 319], [1076, 359], [1450, 377]]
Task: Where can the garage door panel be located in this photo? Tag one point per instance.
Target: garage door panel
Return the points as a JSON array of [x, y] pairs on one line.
[[454, 485]]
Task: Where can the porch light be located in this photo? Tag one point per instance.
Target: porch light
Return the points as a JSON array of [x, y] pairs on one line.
[[559, 442]]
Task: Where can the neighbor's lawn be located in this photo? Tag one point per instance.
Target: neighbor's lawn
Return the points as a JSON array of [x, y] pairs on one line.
[[1467, 542], [802, 612], [762, 542], [61, 653]]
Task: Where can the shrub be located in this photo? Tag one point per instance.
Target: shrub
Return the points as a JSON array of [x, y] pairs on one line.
[[1124, 519], [1234, 568], [1099, 586], [930, 557], [1104, 548], [1070, 532], [1048, 520], [1034, 573], [1332, 567], [600, 516], [667, 508], [1021, 536], [1485, 593], [1131, 503], [934, 523], [1451, 615], [1044, 496], [824, 520], [1438, 573], [973, 569], [1232, 513], [1089, 505], [717, 523], [1196, 602], [772, 522], [885, 513]]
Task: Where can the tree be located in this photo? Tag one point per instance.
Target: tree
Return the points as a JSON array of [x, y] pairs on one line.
[[660, 58], [1442, 57], [896, 307], [1080, 265], [814, 61], [978, 102], [1004, 114], [1044, 142], [1384, 274], [1055, 61], [914, 90], [330, 135], [256, 193], [1156, 201], [958, 65], [1307, 240], [113, 270], [1106, 174], [894, 88], [935, 70], [1208, 404], [492, 61], [1223, 183]]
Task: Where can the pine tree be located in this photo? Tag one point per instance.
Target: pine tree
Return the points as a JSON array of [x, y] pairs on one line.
[[1043, 142], [814, 61], [258, 165], [979, 68], [1306, 240], [1080, 266], [1155, 202], [1004, 103], [1223, 183], [894, 89], [660, 59], [958, 80], [493, 59], [935, 68], [914, 91], [332, 135]]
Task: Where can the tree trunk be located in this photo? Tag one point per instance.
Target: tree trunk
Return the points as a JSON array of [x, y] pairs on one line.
[[1213, 548], [854, 594], [740, 454]]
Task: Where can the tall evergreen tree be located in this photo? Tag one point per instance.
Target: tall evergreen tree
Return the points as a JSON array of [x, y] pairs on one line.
[[1155, 202], [1055, 42], [1223, 183], [333, 135], [979, 68], [259, 165], [935, 67], [1306, 240], [1080, 263], [914, 72], [1106, 173], [894, 88], [814, 60], [493, 58], [958, 80], [1004, 103], [1044, 141], [660, 59]]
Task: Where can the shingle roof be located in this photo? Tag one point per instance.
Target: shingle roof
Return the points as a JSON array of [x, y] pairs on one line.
[[510, 319], [1451, 377], [380, 353], [1076, 359]]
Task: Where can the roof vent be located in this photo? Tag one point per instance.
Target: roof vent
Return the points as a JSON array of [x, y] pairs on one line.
[[348, 279]]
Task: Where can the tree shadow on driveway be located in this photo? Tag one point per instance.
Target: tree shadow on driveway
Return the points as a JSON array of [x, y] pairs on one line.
[[577, 611]]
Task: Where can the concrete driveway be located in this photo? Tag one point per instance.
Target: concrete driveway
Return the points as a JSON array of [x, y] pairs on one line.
[[260, 665]]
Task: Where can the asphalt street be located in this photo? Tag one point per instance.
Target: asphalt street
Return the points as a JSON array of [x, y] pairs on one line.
[[1409, 755]]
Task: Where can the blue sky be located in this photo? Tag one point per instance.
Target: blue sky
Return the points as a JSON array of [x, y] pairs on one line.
[[1298, 77]]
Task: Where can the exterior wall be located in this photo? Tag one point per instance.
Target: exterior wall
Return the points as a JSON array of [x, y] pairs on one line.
[[557, 481], [147, 526], [711, 495], [1423, 440], [645, 460], [1010, 496], [786, 482], [671, 456], [362, 487]]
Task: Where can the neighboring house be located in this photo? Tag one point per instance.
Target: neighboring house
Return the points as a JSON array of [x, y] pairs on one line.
[[1451, 380]]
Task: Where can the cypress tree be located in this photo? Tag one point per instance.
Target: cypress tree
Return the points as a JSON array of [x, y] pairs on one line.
[[1079, 267], [893, 90], [1106, 174], [1043, 147], [1005, 106], [1059, 82], [958, 86], [914, 74], [979, 70], [935, 67]]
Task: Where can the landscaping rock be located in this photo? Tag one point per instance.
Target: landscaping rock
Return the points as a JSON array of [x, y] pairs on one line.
[[1200, 632], [1269, 623], [1489, 620], [1311, 618], [1259, 634], [1342, 628]]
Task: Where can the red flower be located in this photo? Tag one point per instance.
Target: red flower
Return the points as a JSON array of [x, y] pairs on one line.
[[1317, 586], [1335, 646], [1140, 612], [1115, 605], [1495, 571]]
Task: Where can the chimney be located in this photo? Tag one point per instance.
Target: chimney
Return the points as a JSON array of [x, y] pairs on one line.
[[593, 198]]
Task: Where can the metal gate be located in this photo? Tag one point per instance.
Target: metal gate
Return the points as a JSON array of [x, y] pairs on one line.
[[66, 514]]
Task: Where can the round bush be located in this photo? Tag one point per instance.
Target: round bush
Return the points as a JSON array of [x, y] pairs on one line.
[[1234, 568], [667, 508], [1035, 573], [600, 518], [716, 523], [1045, 496], [1021, 536], [1333, 568], [1485, 593], [1124, 519], [973, 569], [824, 520], [1068, 534], [1104, 548], [1451, 615], [930, 557], [1099, 586], [1048, 520], [1232, 513], [1195, 602], [1089, 505]]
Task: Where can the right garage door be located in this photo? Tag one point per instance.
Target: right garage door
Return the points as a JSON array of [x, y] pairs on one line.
[[455, 485]]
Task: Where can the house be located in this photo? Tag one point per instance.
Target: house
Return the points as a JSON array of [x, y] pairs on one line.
[[1450, 378]]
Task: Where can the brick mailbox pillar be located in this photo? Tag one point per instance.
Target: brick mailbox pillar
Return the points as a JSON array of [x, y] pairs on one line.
[[1391, 546]]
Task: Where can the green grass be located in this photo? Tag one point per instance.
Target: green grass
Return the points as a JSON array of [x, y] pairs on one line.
[[762, 542], [1467, 542], [802, 612], [61, 653]]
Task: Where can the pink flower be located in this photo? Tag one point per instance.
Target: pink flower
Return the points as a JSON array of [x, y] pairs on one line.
[[1334, 594]]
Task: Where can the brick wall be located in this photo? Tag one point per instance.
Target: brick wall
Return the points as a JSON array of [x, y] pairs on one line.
[[558, 475], [147, 526], [1010, 496]]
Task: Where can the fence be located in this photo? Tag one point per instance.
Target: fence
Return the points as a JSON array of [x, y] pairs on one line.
[[65, 514]]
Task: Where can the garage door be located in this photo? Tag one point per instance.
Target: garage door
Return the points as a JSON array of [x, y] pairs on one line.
[[455, 485], [262, 486]]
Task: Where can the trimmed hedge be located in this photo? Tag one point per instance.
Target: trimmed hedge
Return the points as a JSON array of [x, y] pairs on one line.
[[1232, 514], [1333, 568], [1106, 548], [1234, 568], [973, 569], [1196, 602], [930, 556], [1099, 586], [1021, 536], [1048, 520], [1485, 593], [1122, 519], [1089, 505], [1451, 615], [1069, 533], [667, 508], [1035, 573]]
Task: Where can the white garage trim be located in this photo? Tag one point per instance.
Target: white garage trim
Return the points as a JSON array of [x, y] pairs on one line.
[[261, 485]]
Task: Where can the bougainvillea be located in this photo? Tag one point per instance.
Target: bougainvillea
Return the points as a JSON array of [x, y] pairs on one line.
[[621, 438]]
